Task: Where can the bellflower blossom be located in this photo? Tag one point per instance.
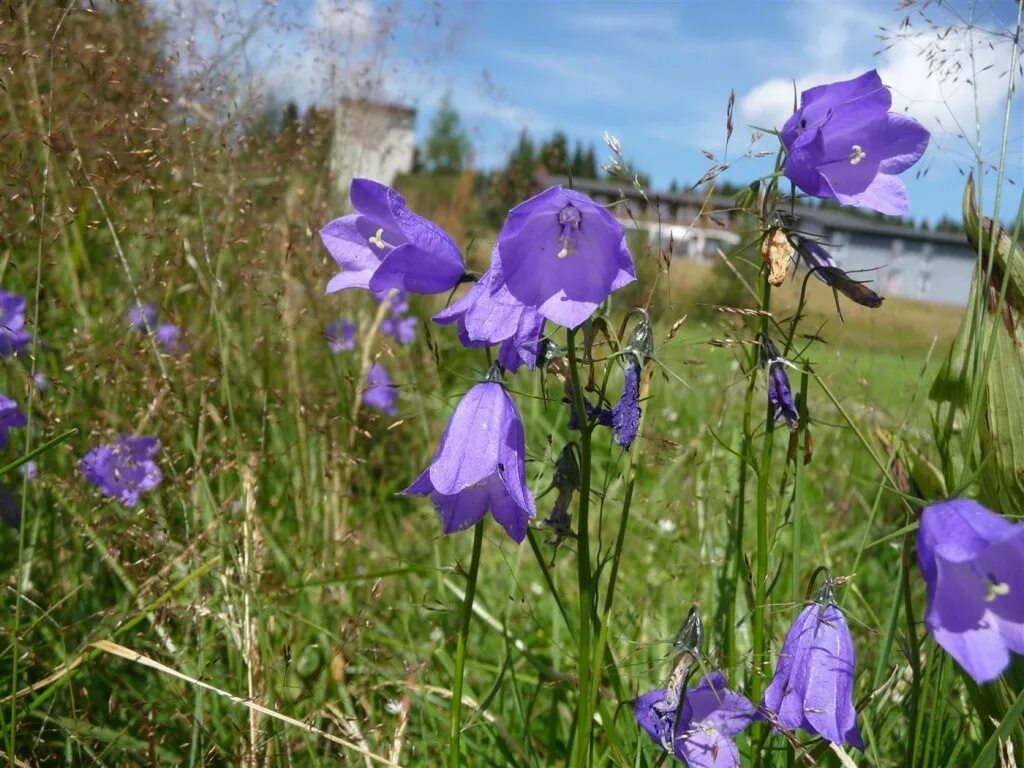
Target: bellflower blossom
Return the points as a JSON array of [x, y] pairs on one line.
[[143, 317], [780, 395], [480, 465], [844, 144], [10, 418], [385, 245], [169, 335], [626, 413], [562, 254], [380, 392], [124, 469], [812, 688], [489, 314], [971, 561], [401, 329], [824, 267], [13, 336], [712, 717], [341, 335]]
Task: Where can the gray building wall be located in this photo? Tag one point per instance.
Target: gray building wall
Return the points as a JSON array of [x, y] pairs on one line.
[[895, 261]]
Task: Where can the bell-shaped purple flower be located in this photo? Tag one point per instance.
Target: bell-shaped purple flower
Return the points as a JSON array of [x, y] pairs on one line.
[[626, 413], [489, 314], [143, 317], [340, 335], [480, 465], [844, 144], [824, 267], [10, 417], [971, 561], [13, 336], [780, 395], [401, 329], [385, 245], [703, 735], [813, 684], [170, 338], [563, 254], [380, 391], [124, 469]]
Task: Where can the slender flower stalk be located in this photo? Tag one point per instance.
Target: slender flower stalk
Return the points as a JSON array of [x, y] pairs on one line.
[[455, 722], [584, 713]]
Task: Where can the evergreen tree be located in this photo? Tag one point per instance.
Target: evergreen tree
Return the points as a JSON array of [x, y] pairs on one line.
[[447, 146], [555, 155], [577, 166], [590, 169]]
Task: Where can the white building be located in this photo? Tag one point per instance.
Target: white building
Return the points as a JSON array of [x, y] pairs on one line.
[[374, 140]]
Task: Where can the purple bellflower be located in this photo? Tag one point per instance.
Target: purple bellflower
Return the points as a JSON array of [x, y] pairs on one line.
[[703, 736], [41, 380], [824, 267], [169, 336], [626, 413], [143, 317], [971, 561], [780, 395], [124, 469], [480, 465], [813, 684], [341, 335], [380, 392], [10, 417], [844, 144], [489, 314], [563, 254], [401, 329], [13, 336], [385, 245]]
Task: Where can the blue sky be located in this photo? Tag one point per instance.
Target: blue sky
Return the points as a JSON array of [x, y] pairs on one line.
[[657, 75]]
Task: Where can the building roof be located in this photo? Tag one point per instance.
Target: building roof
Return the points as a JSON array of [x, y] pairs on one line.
[[823, 217]]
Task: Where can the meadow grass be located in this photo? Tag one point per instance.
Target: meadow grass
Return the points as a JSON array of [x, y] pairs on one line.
[[275, 602]]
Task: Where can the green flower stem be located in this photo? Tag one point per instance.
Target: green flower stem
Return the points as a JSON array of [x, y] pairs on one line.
[[584, 714], [460, 650], [760, 635], [795, 594], [602, 636]]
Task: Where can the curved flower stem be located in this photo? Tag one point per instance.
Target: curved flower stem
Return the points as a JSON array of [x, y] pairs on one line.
[[584, 714], [460, 649]]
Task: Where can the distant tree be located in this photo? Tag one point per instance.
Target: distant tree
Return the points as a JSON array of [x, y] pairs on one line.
[[514, 183], [554, 154], [673, 187], [590, 169], [447, 146], [577, 166], [290, 117]]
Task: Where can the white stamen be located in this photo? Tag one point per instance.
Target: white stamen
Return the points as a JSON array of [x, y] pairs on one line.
[[378, 239], [996, 589], [857, 154]]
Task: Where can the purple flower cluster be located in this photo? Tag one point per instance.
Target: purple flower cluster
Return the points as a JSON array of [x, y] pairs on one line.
[[13, 336], [125, 468], [341, 335], [144, 317], [558, 257], [11, 417]]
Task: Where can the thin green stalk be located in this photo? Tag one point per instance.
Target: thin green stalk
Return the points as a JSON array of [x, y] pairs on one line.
[[584, 715], [798, 499], [609, 597], [460, 649]]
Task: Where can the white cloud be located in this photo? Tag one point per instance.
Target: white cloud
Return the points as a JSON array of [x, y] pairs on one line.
[[351, 20]]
